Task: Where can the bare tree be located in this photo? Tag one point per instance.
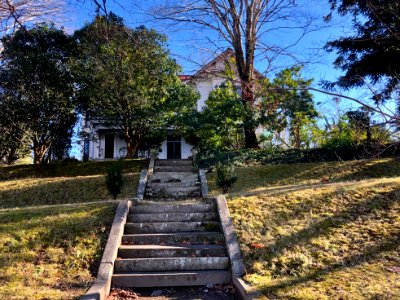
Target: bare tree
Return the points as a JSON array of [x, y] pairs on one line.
[[247, 27], [15, 14]]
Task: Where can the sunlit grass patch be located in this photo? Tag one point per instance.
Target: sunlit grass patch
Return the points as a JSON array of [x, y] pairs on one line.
[[43, 189], [257, 178], [66, 169], [51, 253], [335, 241]]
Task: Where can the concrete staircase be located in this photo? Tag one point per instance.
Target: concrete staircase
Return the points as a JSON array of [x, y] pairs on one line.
[[172, 238], [172, 244], [173, 179]]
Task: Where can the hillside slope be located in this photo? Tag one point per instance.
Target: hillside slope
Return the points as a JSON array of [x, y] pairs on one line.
[[320, 231]]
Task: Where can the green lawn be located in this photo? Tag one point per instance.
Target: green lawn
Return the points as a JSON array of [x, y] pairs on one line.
[[53, 252], [303, 239], [29, 185]]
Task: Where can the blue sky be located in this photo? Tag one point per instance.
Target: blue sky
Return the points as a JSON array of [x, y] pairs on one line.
[[188, 45]]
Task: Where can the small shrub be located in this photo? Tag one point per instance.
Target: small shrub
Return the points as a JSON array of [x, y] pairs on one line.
[[114, 179], [225, 176]]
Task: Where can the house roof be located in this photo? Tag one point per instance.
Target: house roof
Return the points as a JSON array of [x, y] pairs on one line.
[[185, 78], [208, 68], [211, 67]]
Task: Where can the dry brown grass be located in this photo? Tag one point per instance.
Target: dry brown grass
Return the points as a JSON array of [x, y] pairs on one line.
[[303, 239]]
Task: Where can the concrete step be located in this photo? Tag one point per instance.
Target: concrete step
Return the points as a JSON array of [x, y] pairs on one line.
[[136, 251], [184, 201], [161, 201], [189, 169], [174, 176], [173, 162], [170, 227], [172, 208], [157, 264], [172, 217], [173, 184], [160, 279], [179, 238], [173, 192]]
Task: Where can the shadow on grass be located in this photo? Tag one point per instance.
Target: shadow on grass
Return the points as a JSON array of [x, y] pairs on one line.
[[369, 253], [62, 190], [372, 169], [274, 191], [257, 177], [66, 169], [27, 236], [382, 202], [377, 209]]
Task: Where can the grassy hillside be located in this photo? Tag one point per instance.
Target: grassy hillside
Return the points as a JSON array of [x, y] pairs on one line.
[[29, 185], [320, 231], [51, 253]]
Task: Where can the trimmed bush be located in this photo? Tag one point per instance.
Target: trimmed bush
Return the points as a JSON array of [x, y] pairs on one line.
[[225, 176], [114, 179]]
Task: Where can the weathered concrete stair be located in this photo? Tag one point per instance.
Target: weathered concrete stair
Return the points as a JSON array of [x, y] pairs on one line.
[[173, 179], [172, 244], [133, 251], [168, 191]]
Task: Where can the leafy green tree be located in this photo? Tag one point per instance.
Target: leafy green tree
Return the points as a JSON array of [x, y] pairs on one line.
[[373, 51], [339, 135], [13, 138], [286, 102], [360, 121], [35, 72], [220, 124], [127, 79]]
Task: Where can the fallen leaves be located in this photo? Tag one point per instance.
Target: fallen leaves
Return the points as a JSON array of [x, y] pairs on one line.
[[257, 245], [119, 294]]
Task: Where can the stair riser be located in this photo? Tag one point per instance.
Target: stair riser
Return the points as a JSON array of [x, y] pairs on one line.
[[172, 217], [175, 162], [175, 169], [177, 279], [173, 190], [207, 238], [169, 176], [132, 228], [138, 253], [165, 200], [173, 185], [171, 264], [173, 195], [188, 208]]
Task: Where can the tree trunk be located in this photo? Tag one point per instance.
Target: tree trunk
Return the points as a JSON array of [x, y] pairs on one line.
[[369, 135], [131, 146], [9, 158], [297, 141], [39, 153], [249, 129], [250, 138]]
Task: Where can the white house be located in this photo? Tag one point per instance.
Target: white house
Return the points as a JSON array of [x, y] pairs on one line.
[[105, 143]]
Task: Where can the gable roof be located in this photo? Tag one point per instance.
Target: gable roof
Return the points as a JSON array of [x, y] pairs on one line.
[[211, 67]]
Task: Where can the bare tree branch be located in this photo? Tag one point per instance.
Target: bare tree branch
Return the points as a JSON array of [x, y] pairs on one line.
[[15, 14]]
